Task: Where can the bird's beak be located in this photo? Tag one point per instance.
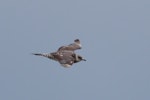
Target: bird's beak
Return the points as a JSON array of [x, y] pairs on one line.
[[84, 59]]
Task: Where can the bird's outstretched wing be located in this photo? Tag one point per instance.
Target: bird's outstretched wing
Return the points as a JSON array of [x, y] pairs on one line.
[[71, 47]]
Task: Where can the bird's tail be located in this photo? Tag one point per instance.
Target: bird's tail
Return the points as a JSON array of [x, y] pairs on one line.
[[48, 55]]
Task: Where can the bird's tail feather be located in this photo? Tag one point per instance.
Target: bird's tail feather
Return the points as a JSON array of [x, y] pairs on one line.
[[48, 55], [37, 54]]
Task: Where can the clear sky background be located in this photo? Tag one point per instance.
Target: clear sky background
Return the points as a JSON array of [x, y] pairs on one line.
[[115, 35]]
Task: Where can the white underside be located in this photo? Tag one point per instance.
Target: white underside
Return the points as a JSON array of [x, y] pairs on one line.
[[66, 65], [80, 45]]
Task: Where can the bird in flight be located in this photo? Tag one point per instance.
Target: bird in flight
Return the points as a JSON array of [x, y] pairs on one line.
[[65, 55]]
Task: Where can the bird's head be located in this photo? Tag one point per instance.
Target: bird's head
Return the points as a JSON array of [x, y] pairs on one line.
[[79, 58]]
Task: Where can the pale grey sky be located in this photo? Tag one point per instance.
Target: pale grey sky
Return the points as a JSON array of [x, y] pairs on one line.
[[115, 35]]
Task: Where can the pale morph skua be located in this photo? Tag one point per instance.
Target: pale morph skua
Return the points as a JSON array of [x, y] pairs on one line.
[[65, 55]]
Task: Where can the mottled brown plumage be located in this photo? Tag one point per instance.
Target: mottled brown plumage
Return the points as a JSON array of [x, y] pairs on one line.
[[65, 55]]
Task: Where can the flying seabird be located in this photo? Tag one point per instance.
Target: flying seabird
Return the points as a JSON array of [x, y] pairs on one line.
[[65, 55]]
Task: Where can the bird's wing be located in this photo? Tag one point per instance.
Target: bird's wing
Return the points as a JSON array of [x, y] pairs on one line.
[[71, 47], [66, 57]]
